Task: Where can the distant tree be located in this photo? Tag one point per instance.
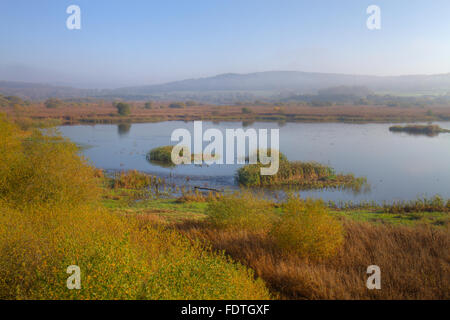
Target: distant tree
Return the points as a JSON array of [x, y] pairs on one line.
[[148, 105], [3, 101], [191, 103], [362, 102], [53, 103], [317, 103], [123, 108], [177, 105], [11, 101], [246, 110]]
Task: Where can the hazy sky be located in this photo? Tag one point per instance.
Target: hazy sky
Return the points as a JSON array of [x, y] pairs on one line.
[[139, 42]]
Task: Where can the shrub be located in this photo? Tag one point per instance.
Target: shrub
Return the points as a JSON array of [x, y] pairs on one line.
[[118, 258], [161, 154], [246, 110], [11, 101], [53, 103], [47, 170], [177, 105], [123, 109], [241, 212], [307, 229], [249, 175], [133, 179], [3, 101], [200, 274], [148, 105], [191, 103]]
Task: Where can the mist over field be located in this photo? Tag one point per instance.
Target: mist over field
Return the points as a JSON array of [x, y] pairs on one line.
[[244, 87]]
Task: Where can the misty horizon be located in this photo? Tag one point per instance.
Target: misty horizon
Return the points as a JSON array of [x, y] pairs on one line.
[[59, 82], [148, 43]]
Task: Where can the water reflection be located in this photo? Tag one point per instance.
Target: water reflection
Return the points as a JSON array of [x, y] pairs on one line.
[[398, 167], [123, 129]]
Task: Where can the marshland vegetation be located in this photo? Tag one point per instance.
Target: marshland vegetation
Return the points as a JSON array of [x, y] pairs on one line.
[[303, 175], [286, 244], [163, 156], [136, 237], [429, 130], [101, 111], [51, 218]]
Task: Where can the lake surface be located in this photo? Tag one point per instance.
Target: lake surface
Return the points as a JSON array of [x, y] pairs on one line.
[[398, 166]]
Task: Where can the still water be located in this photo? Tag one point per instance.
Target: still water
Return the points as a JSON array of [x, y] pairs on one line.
[[397, 166]]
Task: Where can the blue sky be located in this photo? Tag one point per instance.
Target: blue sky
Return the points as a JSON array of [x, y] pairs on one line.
[[139, 42]]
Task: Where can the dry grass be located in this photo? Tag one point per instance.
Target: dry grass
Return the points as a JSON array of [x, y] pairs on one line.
[[99, 112], [414, 262]]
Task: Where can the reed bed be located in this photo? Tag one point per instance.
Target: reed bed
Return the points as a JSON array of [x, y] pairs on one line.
[[429, 130], [414, 262], [302, 175]]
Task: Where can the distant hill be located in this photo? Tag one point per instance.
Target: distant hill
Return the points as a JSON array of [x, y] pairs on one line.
[[302, 82], [234, 87], [39, 91]]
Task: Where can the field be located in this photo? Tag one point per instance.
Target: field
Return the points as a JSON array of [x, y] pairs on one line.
[[104, 112]]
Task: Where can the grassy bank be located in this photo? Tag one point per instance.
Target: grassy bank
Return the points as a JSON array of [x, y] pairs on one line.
[[408, 241]]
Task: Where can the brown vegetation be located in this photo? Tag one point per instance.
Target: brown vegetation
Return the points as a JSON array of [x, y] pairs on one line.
[[104, 112], [429, 130], [414, 262]]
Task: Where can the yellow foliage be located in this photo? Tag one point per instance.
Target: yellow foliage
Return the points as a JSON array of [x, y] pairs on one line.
[[42, 170], [307, 229], [49, 220], [244, 211]]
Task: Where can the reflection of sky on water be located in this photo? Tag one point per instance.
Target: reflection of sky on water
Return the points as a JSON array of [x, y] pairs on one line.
[[398, 166]]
